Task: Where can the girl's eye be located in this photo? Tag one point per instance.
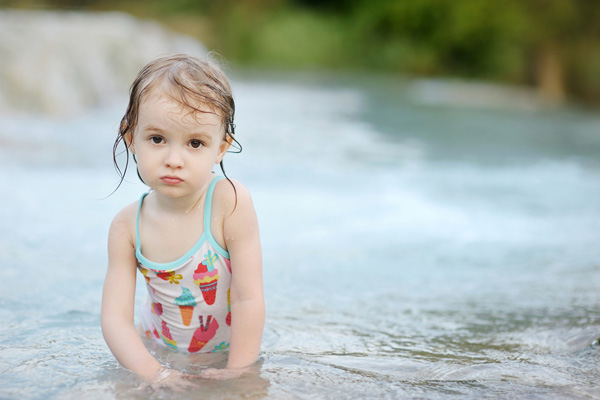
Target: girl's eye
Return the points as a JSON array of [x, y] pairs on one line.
[[156, 139], [195, 144]]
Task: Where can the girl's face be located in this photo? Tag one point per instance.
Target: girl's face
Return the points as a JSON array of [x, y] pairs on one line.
[[176, 148]]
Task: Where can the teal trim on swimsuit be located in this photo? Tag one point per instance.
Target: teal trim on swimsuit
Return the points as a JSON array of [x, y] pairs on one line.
[[208, 216], [138, 242], [206, 235]]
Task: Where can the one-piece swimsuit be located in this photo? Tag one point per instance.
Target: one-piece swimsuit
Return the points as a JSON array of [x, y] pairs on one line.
[[188, 307]]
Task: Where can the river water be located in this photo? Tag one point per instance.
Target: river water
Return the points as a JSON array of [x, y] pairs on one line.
[[421, 239]]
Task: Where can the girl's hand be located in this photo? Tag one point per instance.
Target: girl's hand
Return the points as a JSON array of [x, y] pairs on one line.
[[221, 374], [170, 379]]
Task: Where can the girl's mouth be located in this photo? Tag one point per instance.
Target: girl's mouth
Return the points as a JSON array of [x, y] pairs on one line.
[[171, 180]]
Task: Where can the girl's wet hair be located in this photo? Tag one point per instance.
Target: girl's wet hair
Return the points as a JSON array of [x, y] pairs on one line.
[[188, 80]]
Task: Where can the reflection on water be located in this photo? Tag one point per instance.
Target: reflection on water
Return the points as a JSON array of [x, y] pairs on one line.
[[411, 249]]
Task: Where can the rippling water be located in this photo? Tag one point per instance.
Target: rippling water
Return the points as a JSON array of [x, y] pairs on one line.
[[414, 247]]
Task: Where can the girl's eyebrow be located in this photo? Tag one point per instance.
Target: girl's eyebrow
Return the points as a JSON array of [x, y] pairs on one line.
[[151, 129], [202, 135]]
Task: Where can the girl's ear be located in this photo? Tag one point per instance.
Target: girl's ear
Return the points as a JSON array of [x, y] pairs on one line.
[[128, 138], [225, 144]]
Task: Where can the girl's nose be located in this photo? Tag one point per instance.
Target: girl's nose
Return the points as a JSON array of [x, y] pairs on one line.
[[174, 158]]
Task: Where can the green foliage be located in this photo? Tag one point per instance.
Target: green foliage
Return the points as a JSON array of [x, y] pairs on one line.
[[541, 42], [437, 36], [469, 38], [280, 37], [301, 39]]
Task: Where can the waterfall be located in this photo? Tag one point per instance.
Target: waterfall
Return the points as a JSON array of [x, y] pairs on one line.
[[59, 63]]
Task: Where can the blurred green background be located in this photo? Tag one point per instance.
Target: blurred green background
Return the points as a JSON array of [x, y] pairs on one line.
[[553, 45]]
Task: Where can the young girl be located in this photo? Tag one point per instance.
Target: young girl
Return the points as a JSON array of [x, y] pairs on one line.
[[194, 236]]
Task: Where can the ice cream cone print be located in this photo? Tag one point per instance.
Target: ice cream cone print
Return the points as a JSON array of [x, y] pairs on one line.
[[228, 318], [186, 303], [206, 276], [209, 291], [166, 336], [203, 334], [186, 314]]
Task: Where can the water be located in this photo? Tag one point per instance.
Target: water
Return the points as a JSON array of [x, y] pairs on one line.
[[414, 246], [61, 63]]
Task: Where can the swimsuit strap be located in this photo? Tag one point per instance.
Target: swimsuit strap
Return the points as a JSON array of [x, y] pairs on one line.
[[208, 216], [208, 203], [138, 242]]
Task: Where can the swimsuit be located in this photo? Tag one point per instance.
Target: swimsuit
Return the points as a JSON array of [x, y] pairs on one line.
[[188, 307]]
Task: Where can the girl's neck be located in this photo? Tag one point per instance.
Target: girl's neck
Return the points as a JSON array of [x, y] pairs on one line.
[[182, 205]]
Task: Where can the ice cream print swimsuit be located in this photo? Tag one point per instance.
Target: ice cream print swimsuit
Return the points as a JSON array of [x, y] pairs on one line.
[[188, 307]]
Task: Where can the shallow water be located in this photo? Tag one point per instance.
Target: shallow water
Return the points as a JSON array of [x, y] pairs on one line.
[[414, 247]]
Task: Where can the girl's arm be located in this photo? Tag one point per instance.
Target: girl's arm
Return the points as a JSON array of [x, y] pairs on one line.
[[247, 297], [118, 300]]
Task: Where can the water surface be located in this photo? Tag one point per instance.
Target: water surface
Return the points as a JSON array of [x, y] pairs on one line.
[[414, 246]]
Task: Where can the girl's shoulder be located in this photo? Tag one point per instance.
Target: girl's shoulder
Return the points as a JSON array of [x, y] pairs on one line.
[[124, 221], [228, 196], [128, 213]]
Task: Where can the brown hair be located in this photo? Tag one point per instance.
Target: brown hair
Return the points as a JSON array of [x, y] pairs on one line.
[[188, 80]]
